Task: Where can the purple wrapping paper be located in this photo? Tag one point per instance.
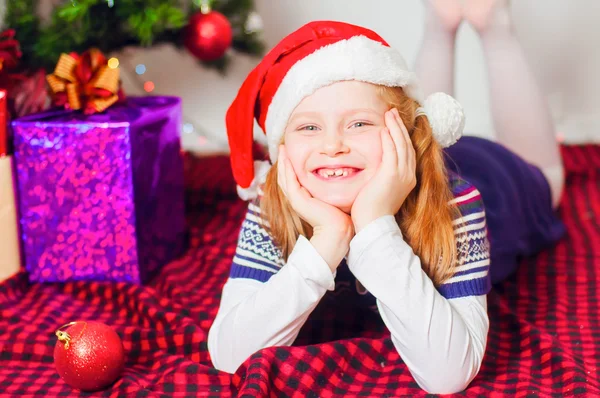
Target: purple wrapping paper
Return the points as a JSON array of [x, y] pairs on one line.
[[101, 196]]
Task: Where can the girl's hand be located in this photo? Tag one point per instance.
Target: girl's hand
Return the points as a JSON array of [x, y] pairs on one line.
[[332, 228], [393, 181]]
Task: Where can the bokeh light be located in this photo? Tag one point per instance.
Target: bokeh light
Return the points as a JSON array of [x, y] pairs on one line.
[[113, 63], [149, 86]]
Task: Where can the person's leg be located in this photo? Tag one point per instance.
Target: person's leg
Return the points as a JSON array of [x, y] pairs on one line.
[[520, 113], [435, 61]]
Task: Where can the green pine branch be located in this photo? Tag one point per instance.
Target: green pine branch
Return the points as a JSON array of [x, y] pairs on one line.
[[77, 25]]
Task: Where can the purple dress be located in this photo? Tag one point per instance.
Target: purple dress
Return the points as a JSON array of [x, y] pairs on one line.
[[516, 197]]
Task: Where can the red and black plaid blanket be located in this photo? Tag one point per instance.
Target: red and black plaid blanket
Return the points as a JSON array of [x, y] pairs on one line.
[[544, 338]]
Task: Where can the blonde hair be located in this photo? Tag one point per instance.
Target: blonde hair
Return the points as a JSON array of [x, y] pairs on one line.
[[426, 216]]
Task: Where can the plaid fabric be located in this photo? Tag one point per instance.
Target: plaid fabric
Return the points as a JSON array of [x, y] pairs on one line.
[[544, 335]]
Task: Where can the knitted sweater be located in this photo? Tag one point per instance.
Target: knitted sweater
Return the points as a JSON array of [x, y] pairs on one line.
[[440, 332], [258, 258]]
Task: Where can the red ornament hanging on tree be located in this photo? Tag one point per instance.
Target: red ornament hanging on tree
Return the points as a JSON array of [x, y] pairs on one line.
[[89, 356], [208, 35]]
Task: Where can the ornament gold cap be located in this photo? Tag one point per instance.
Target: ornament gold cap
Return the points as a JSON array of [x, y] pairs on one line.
[[64, 336]]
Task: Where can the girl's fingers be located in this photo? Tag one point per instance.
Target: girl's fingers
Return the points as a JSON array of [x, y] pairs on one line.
[[287, 178], [291, 182], [390, 156], [396, 134], [298, 196], [410, 151], [281, 172]]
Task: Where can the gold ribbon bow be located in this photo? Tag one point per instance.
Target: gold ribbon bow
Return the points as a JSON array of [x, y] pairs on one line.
[[84, 81]]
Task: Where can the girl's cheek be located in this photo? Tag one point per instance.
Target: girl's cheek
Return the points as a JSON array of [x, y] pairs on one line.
[[302, 146], [368, 144], [372, 134], [298, 152]]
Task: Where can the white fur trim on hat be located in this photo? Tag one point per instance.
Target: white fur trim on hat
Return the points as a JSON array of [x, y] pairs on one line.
[[358, 58], [261, 168]]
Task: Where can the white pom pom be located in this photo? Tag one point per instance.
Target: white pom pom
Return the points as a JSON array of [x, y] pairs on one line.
[[261, 168], [446, 118]]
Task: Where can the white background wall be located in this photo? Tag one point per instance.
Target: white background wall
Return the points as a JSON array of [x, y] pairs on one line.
[[561, 38]]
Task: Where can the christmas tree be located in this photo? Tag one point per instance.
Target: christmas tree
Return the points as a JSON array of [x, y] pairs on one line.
[[77, 25]]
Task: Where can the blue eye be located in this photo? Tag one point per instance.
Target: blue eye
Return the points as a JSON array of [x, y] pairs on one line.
[[360, 124], [308, 128]]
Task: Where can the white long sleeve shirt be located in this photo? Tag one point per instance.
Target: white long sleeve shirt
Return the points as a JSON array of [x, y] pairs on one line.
[[440, 333]]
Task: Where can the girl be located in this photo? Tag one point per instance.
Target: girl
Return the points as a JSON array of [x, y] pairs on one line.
[[360, 185]]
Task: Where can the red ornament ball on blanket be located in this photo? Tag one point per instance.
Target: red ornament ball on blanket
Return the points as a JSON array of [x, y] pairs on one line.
[[208, 36], [88, 355]]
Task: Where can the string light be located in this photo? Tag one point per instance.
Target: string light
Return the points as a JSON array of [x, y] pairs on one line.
[[149, 86], [254, 23], [113, 63], [204, 5], [140, 69], [110, 3]]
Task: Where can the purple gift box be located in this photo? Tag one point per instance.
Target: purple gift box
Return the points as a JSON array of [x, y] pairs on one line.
[[101, 197]]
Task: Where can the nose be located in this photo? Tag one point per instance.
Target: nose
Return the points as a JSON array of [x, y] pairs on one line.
[[334, 144]]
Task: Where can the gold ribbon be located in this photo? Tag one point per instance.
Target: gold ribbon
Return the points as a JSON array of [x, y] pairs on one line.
[[84, 81]]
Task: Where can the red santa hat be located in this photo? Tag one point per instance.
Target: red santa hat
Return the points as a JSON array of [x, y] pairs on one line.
[[314, 56]]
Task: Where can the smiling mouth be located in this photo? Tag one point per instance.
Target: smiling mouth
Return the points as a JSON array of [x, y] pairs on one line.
[[335, 174]]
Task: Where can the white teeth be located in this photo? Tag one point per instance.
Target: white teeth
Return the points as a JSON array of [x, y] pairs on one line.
[[328, 173]]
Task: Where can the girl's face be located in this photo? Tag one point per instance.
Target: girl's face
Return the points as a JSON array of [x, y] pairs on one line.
[[333, 141]]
